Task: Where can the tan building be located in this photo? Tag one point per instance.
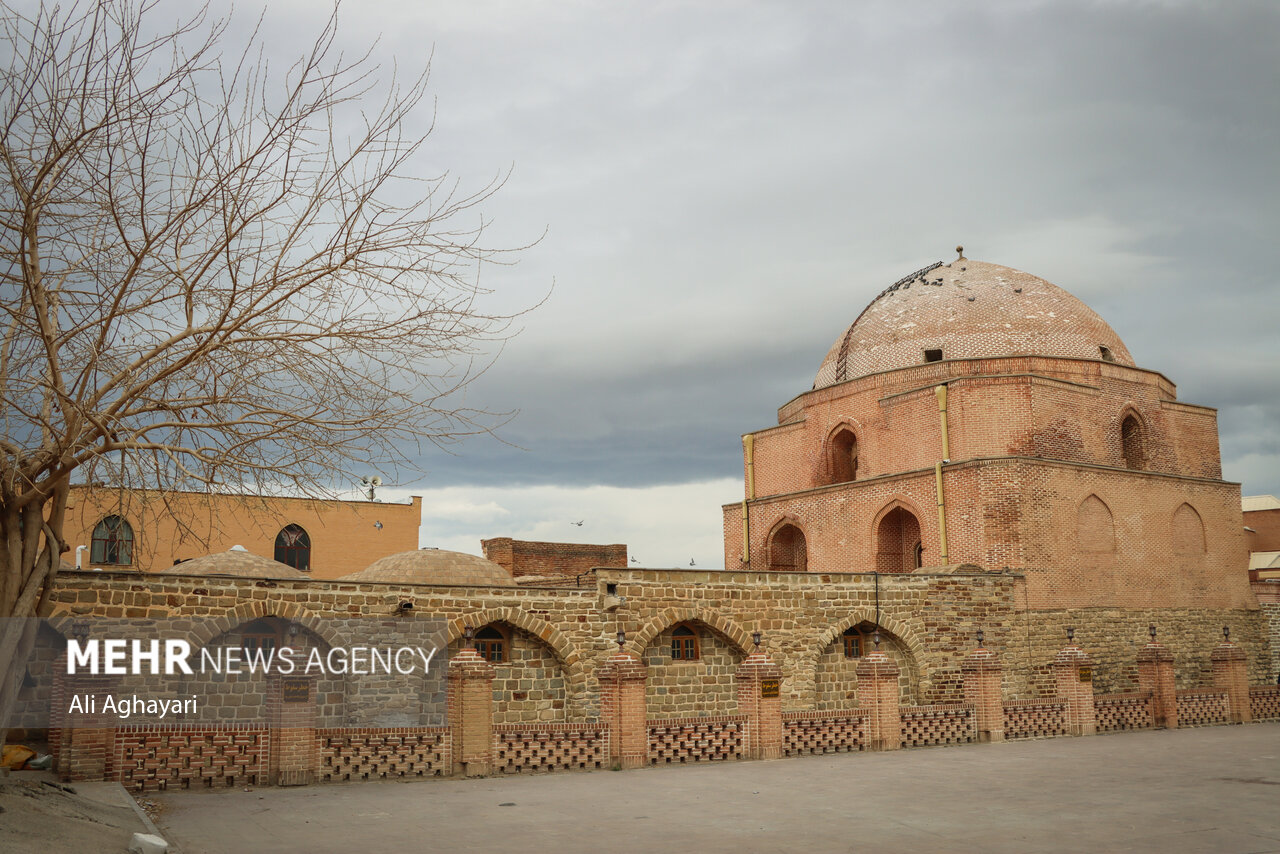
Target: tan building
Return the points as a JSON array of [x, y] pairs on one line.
[[976, 414], [152, 531]]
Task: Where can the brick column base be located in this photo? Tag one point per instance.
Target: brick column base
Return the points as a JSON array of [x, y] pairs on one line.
[[1231, 674], [622, 706], [759, 683], [471, 712], [878, 699], [983, 676], [1073, 674], [1155, 674]]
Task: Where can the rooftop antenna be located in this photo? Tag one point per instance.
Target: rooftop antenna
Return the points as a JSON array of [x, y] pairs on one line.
[[370, 484]]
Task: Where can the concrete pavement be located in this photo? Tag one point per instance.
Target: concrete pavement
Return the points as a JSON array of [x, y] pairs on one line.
[[1214, 789]]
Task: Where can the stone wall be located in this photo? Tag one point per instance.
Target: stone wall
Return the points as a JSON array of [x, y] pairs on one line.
[[681, 689], [561, 635]]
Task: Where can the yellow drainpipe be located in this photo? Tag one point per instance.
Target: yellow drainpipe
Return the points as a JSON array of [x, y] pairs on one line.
[[749, 447], [941, 392]]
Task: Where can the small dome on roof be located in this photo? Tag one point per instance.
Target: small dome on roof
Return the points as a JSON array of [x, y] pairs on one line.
[[965, 310], [237, 562], [434, 566]]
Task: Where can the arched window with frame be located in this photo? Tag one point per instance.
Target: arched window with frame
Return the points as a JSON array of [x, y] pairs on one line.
[[684, 643], [112, 543], [491, 643], [1132, 443], [842, 456], [899, 546], [787, 549], [293, 547]]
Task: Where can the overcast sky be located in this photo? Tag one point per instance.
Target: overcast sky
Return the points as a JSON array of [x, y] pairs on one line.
[[723, 186]]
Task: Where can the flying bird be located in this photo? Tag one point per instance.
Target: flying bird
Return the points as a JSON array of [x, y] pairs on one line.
[[691, 563], [579, 524]]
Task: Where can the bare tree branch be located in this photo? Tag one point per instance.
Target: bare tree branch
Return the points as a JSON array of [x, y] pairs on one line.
[[212, 276]]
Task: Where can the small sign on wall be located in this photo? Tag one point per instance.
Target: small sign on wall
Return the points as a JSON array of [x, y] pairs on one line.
[[295, 690], [1086, 674], [770, 688]]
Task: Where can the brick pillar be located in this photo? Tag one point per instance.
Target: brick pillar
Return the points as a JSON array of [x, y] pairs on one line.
[[622, 706], [878, 699], [1073, 673], [983, 676], [82, 742], [471, 712], [1155, 674], [1231, 675], [291, 709], [759, 683]]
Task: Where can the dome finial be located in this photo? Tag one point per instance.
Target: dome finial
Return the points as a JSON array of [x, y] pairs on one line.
[[960, 252]]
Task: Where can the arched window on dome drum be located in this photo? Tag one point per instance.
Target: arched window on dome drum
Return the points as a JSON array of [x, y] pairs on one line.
[[1131, 443], [112, 543], [898, 542], [293, 547], [684, 644], [842, 456], [491, 643], [787, 552]]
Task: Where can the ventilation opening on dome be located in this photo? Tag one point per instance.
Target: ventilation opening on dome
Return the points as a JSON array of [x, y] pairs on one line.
[[933, 355], [1106, 353]]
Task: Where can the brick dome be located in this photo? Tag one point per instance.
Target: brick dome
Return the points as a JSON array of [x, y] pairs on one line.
[[434, 566], [968, 309], [237, 562]]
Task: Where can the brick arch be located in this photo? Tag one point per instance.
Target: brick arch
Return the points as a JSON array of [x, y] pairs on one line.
[[801, 561], [1095, 526], [805, 679], [832, 472], [257, 609], [554, 639], [1187, 530], [1135, 450], [906, 505], [730, 630], [896, 501], [905, 635]]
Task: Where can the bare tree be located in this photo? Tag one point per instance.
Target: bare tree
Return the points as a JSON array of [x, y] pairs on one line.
[[212, 275]]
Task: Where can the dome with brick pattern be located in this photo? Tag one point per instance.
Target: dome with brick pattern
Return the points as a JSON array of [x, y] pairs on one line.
[[237, 562], [434, 566], [965, 310]]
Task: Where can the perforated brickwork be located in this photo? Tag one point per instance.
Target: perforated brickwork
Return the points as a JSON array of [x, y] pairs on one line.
[[804, 733], [1123, 711], [555, 747], [382, 754], [1265, 703], [696, 740], [147, 759], [1201, 708], [942, 724], [1035, 718]]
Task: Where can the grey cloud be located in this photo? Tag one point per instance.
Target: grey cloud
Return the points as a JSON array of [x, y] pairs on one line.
[[725, 188]]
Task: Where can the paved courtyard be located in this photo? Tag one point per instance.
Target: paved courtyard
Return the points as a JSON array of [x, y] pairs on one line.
[[1215, 789]]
